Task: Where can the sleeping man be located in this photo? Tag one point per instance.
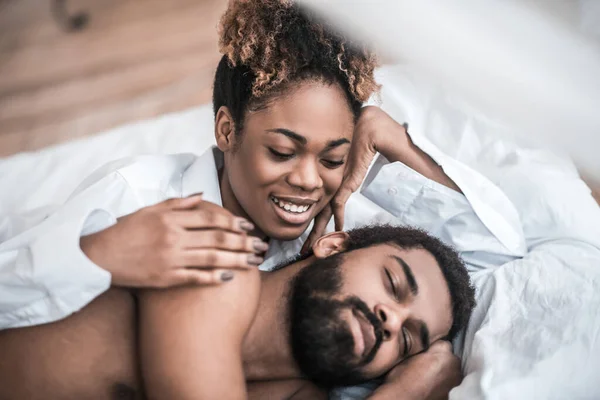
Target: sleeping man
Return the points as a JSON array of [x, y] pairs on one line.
[[358, 305]]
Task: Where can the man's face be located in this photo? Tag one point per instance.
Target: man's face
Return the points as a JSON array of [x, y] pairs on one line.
[[355, 319]]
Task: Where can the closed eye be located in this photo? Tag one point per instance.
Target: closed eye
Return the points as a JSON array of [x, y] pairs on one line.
[[333, 164], [392, 285], [280, 156], [405, 338]]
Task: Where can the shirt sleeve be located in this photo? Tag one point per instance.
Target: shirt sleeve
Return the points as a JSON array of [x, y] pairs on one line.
[[44, 275], [412, 199]]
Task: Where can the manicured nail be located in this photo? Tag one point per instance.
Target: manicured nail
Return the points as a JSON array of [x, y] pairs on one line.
[[255, 260], [245, 225], [226, 276], [260, 246]]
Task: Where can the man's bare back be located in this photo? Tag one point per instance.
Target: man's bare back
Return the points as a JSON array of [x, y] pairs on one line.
[[95, 354], [90, 355]]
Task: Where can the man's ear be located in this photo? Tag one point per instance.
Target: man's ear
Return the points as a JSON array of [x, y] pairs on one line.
[[330, 244], [224, 130]]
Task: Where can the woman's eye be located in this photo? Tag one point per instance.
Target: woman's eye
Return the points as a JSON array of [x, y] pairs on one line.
[[333, 164], [280, 156]]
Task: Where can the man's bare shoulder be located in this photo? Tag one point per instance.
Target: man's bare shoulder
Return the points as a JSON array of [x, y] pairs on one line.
[[192, 332], [289, 389], [230, 305]]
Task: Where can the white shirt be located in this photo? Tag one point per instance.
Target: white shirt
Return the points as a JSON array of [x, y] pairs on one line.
[[44, 275]]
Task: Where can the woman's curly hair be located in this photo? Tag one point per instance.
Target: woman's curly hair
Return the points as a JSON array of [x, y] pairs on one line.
[[269, 44]]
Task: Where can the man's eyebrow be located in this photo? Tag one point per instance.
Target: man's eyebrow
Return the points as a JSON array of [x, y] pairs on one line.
[[291, 134], [424, 334], [410, 278]]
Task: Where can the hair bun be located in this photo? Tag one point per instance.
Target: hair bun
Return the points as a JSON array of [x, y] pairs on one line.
[[277, 40]]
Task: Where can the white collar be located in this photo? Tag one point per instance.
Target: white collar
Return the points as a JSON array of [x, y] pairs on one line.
[[203, 176]]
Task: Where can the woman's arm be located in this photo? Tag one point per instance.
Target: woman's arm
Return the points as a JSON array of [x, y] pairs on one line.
[[382, 133], [191, 339]]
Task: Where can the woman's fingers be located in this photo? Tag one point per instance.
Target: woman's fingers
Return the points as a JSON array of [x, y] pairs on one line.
[[208, 219], [187, 276], [360, 158], [222, 240], [184, 203], [213, 258], [318, 229]]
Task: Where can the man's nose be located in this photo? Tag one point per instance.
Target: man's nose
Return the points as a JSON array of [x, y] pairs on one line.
[[392, 319], [306, 175]]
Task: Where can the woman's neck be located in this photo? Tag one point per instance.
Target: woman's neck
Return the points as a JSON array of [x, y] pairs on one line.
[[231, 203]]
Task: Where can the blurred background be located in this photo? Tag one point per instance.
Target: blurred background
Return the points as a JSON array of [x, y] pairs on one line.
[[69, 69], [131, 59]]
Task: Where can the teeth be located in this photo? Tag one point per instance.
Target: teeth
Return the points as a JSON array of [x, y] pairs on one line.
[[290, 207]]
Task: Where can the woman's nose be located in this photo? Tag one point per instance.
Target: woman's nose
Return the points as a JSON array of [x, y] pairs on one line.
[[391, 319], [306, 175]]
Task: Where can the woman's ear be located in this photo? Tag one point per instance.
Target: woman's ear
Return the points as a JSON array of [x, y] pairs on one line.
[[330, 244], [224, 129]]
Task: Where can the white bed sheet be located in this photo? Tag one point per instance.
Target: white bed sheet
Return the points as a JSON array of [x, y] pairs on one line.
[[535, 333]]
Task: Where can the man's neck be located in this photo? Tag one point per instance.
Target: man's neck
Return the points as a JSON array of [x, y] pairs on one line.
[[266, 350]]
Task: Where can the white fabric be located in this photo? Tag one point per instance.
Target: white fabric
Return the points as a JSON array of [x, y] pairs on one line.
[[535, 330]]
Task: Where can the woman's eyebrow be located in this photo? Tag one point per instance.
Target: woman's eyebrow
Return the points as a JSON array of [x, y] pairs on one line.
[[291, 134], [336, 143], [303, 141]]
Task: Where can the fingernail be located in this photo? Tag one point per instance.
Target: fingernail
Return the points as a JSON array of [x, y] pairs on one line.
[[196, 194], [245, 225], [260, 246], [255, 260], [226, 276]]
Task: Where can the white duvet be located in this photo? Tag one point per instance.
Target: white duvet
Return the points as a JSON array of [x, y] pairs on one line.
[[535, 333]]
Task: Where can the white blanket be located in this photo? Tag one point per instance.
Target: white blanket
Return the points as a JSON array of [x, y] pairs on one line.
[[535, 333]]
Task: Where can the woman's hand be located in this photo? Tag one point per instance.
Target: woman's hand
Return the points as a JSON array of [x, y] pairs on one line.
[[375, 132], [430, 375], [175, 242]]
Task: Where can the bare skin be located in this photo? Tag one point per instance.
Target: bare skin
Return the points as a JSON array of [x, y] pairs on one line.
[[90, 355]]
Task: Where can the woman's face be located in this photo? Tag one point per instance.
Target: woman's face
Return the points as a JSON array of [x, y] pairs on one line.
[[289, 160]]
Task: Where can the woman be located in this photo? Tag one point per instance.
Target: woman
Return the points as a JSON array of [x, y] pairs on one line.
[[287, 96], [287, 99]]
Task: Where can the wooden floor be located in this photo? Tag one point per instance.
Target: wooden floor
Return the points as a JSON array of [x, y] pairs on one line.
[[136, 59]]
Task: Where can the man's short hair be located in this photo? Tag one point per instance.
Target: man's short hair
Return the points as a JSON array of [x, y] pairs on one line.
[[462, 293]]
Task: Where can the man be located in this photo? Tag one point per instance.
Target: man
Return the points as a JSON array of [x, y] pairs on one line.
[[361, 303]]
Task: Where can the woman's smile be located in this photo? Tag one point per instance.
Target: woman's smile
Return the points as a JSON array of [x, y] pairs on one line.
[[293, 210]]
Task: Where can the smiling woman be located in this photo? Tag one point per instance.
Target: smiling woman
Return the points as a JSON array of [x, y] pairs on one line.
[[287, 95], [285, 167]]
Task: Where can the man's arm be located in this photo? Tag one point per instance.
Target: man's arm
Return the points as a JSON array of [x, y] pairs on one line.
[[289, 389], [191, 338], [426, 376]]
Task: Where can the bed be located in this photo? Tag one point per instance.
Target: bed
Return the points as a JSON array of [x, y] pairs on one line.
[[535, 333]]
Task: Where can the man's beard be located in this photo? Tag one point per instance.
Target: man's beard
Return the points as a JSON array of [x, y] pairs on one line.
[[322, 342]]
